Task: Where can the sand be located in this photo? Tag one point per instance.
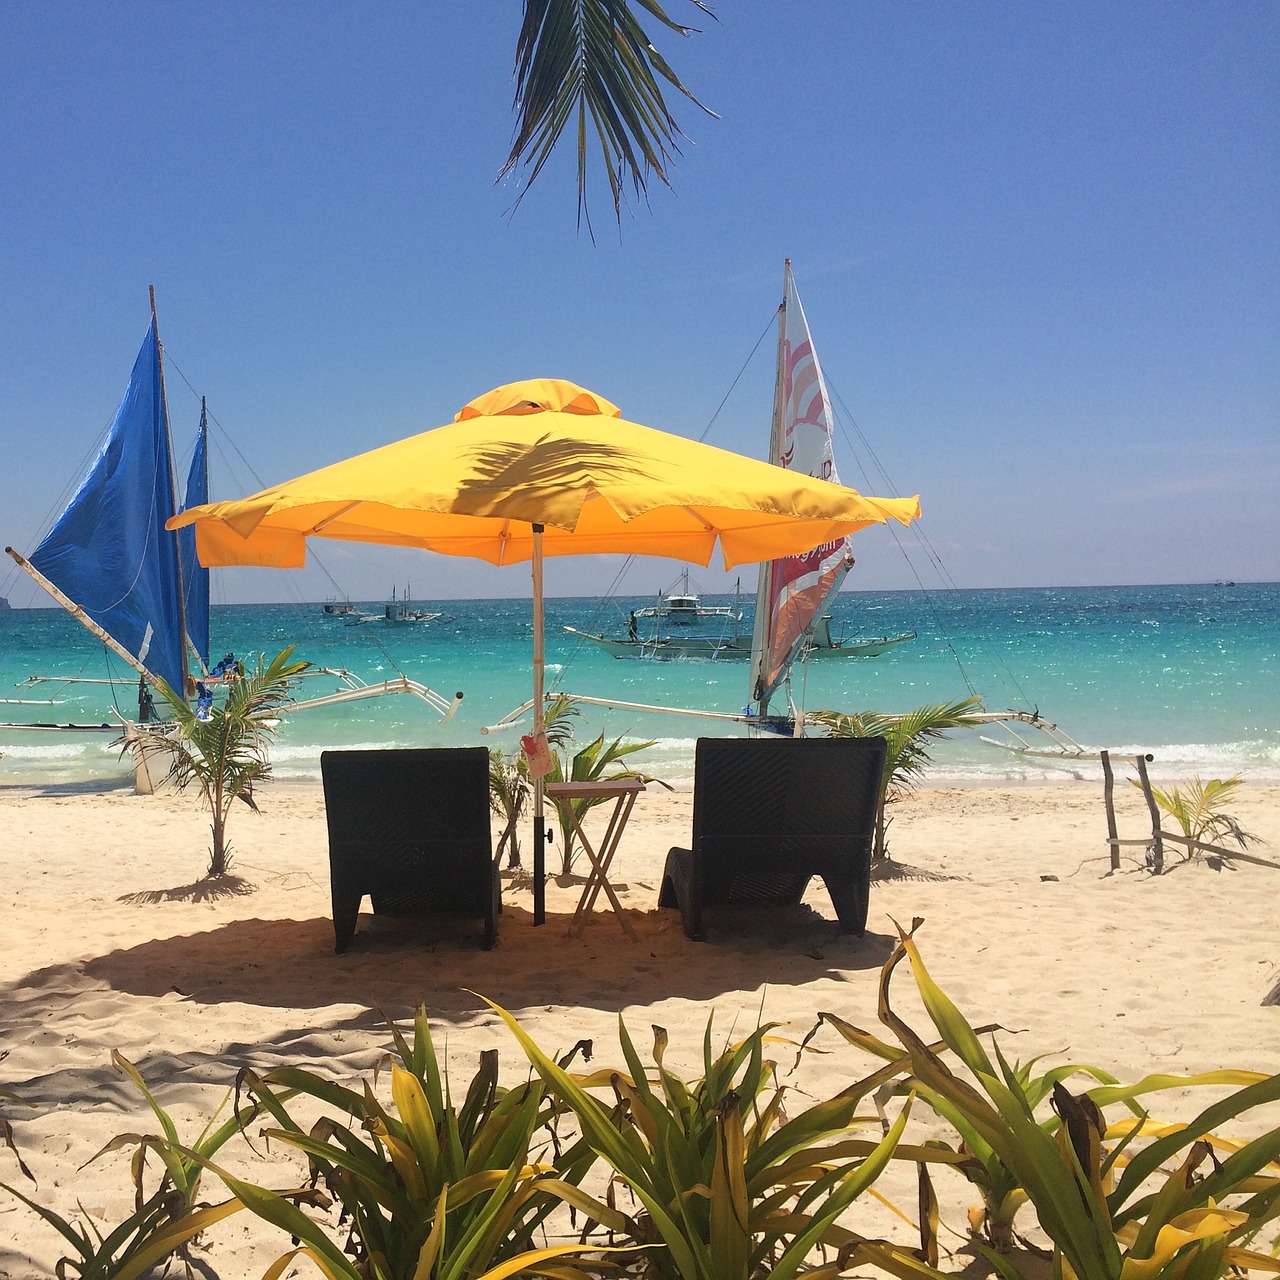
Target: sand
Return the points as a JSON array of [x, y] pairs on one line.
[[110, 941]]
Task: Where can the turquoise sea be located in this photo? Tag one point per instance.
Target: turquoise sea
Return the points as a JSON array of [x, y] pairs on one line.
[[1190, 674]]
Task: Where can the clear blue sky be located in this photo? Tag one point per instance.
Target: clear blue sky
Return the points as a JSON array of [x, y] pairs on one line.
[[1038, 245]]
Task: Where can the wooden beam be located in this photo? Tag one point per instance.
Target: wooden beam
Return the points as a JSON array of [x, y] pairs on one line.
[[1108, 798], [1157, 847]]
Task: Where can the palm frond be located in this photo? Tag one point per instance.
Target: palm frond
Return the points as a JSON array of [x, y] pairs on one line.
[[907, 737], [589, 64]]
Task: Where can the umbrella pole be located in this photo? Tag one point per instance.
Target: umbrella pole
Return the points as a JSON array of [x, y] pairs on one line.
[[539, 726]]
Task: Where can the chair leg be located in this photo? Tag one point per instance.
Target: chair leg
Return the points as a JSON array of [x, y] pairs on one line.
[[679, 890], [849, 897], [495, 909], [346, 908]]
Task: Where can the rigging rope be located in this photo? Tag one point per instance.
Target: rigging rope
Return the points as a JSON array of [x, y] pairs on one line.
[[843, 415], [290, 580]]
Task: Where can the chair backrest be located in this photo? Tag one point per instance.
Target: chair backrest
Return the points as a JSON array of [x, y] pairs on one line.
[[401, 814], [797, 804]]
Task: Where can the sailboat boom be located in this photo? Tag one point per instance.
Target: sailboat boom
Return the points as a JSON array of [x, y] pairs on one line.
[[79, 614]]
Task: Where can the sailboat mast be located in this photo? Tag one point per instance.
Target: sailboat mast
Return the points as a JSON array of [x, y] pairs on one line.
[[760, 636], [173, 488], [189, 642]]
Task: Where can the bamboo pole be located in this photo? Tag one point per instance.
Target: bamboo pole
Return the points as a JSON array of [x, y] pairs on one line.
[[1200, 846], [79, 614]]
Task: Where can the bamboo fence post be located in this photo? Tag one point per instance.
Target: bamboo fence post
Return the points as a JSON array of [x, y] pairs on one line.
[[1157, 844], [1108, 795]]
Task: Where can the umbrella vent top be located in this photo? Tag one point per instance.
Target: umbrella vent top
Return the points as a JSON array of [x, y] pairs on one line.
[[538, 395]]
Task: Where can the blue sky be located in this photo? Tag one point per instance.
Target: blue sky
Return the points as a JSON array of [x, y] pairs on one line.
[[1038, 246]]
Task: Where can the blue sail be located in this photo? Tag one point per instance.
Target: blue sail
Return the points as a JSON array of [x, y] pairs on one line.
[[195, 576], [109, 552]]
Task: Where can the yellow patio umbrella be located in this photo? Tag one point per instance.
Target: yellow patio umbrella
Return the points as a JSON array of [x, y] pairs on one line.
[[542, 468]]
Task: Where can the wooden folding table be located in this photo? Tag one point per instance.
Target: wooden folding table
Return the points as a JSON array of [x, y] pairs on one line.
[[623, 792]]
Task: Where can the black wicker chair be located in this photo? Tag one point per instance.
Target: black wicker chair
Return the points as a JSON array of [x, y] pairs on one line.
[[410, 828], [769, 814]]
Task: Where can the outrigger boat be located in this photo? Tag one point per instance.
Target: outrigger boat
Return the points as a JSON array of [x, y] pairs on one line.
[[734, 646], [402, 610], [110, 563], [794, 595], [650, 634]]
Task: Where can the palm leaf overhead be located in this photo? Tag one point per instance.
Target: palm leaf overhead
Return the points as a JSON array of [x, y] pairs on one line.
[[589, 63]]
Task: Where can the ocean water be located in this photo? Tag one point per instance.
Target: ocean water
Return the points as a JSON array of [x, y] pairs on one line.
[[1189, 674]]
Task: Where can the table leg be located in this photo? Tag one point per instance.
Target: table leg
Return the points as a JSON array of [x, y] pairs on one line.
[[599, 879]]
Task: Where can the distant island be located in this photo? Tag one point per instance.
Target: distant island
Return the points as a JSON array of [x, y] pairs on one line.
[[4, 604]]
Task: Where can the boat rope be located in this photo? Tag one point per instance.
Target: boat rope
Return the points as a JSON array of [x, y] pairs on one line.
[[111, 675], [706, 431], [289, 580], [844, 420]]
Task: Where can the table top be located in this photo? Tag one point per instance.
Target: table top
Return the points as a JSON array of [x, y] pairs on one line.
[[602, 787]]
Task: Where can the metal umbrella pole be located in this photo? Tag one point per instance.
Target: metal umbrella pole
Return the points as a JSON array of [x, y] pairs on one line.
[[539, 729]]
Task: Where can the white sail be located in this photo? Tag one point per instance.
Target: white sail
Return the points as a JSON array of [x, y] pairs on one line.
[[796, 590]]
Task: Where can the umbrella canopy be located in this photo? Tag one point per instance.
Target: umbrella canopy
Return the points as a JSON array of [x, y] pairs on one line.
[[542, 468], [543, 452]]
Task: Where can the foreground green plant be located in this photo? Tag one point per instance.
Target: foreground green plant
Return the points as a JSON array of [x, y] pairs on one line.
[[1002, 1194], [165, 1220], [427, 1188], [1199, 811], [728, 1186], [1111, 1213], [224, 756], [908, 738]]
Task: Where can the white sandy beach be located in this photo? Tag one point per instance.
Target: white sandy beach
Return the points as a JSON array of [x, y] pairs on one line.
[[110, 942]]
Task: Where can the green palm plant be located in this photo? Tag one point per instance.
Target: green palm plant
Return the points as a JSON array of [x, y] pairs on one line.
[[1199, 810], [509, 789], [908, 738], [225, 756], [429, 1189], [590, 64], [729, 1186], [588, 765]]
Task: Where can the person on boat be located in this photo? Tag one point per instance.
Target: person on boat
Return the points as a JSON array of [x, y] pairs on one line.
[[146, 704], [227, 669], [632, 633], [204, 702]]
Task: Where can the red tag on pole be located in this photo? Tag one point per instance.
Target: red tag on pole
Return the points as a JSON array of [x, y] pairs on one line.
[[537, 753]]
